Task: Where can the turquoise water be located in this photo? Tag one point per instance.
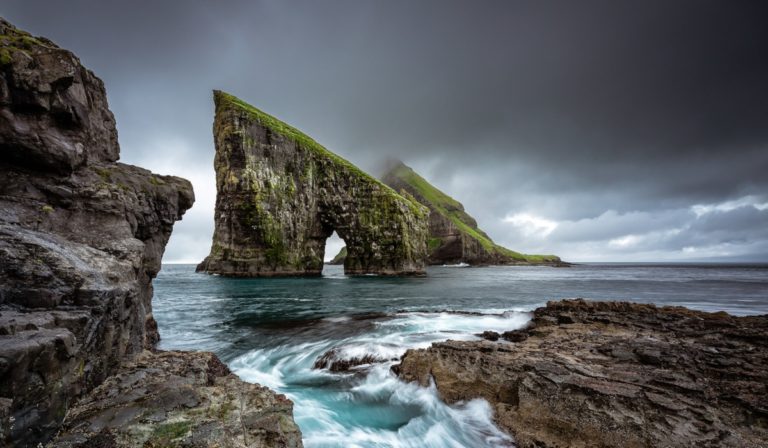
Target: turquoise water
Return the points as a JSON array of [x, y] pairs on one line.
[[272, 331]]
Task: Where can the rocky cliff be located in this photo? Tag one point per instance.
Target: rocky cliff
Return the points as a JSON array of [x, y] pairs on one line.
[[81, 238], [454, 236], [611, 374], [281, 195]]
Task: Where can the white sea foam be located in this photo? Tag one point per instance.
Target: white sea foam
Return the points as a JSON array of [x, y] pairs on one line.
[[457, 265], [377, 409]]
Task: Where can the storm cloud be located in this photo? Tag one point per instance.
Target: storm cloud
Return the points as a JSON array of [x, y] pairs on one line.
[[609, 130]]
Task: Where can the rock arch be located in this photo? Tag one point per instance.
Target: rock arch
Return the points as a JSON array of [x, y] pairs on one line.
[[280, 195]]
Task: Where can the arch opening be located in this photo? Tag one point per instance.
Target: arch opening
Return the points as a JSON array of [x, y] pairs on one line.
[[333, 246]]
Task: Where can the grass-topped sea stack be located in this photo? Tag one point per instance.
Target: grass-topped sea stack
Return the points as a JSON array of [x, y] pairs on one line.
[[281, 195], [453, 235]]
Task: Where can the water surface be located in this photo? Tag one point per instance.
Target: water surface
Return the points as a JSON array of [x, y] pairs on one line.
[[272, 331]]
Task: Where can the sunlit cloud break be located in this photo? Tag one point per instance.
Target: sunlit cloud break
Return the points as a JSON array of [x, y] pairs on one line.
[[531, 225], [746, 201]]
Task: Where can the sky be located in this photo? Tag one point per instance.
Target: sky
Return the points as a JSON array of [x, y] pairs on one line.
[[594, 130]]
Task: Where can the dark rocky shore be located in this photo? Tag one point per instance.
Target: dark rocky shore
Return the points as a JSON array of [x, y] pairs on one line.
[[81, 238], [612, 374]]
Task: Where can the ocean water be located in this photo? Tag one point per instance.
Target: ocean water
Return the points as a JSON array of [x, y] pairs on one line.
[[272, 331]]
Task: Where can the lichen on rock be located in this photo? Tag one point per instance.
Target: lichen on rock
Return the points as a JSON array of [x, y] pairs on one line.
[[281, 195]]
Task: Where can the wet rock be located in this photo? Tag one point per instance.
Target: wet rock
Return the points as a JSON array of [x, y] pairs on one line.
[[179, 399], [608, 374], [490, 335], [334, 361], [280, 195], [515, 335]]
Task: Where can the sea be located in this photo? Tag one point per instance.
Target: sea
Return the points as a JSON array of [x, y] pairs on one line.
[[272, 331]]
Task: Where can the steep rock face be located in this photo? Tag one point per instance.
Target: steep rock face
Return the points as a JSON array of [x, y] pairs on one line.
[[179, 399], [608, 374], [281, 195], [81, 237], [54, 110], [454, 236]]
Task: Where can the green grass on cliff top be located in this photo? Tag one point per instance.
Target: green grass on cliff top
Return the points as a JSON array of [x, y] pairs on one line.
[[303, 140], [454, 211], [13, 39]]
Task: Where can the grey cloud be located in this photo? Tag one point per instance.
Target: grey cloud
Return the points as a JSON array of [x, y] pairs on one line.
[[564, 110]]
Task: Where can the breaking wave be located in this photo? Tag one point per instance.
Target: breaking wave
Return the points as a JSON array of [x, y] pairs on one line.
[[365, 404]]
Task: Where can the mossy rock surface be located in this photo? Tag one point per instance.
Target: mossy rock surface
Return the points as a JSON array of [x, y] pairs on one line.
[[280, 195]]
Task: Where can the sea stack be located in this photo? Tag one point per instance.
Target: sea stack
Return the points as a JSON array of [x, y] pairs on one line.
[[280, 195]]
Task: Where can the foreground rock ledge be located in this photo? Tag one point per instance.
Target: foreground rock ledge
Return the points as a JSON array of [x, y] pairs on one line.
[[606, 374], [179, 399]]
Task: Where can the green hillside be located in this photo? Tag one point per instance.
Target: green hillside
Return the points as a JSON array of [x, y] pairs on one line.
[[402, 177]]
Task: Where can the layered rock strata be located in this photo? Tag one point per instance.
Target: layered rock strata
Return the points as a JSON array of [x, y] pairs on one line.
[[454, 236], [81, 238], [281, 195], [609, 374]]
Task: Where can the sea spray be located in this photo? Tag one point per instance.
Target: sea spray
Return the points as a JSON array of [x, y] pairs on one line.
[[368, 406]]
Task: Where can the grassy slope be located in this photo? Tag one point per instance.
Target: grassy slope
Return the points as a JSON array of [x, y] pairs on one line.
[[339, 258], [296, 136], [453, 210]]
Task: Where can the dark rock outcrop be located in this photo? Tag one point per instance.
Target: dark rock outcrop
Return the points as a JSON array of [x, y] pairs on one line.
[[81, 238], [54, 114], [281, 195], [610, 374], [179, 399], [335, 361], [454, 236]]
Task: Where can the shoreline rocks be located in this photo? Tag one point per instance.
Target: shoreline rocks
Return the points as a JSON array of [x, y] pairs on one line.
[[606, 374]]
